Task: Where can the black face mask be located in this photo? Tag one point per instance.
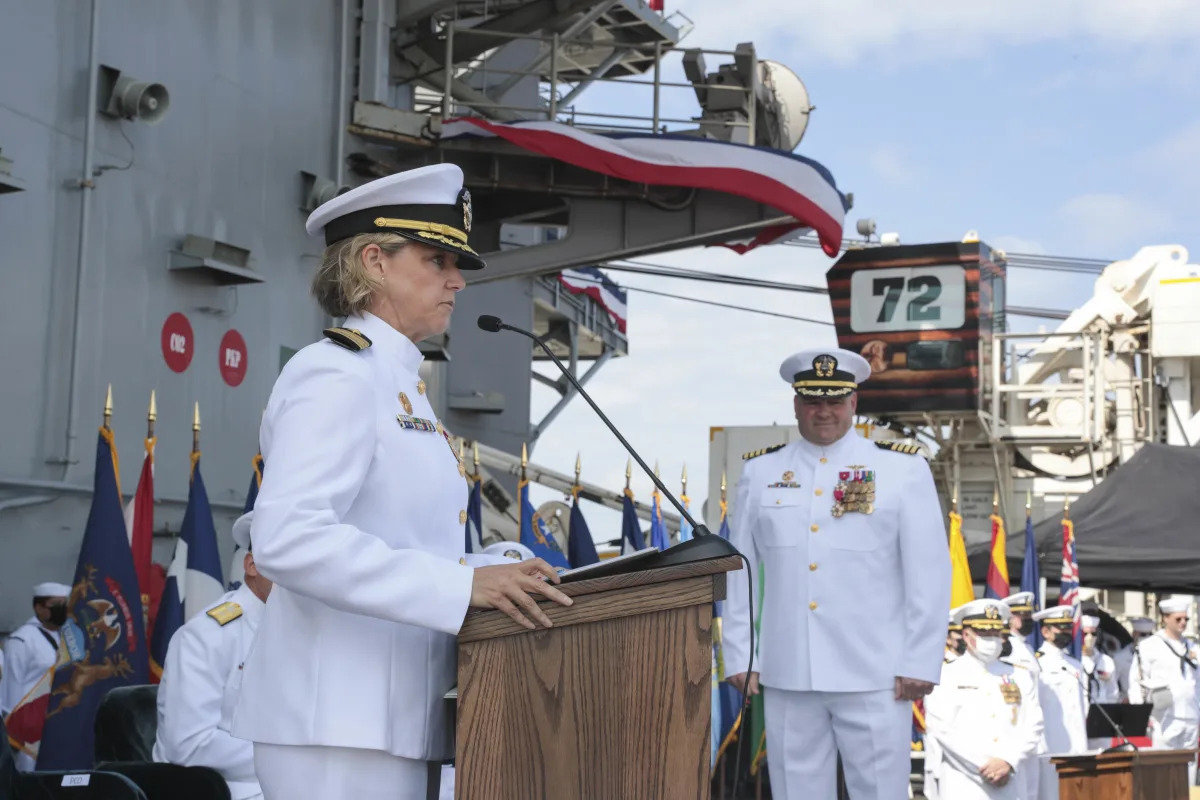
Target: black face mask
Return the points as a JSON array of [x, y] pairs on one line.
[[58, 615], [1006, 648], [1026, 627], [1063, 640], [960, 646]]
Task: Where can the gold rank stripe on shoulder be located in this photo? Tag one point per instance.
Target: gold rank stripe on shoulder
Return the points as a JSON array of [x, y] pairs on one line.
[[348, 338], [899, 447], [225, 613], [762, 452]]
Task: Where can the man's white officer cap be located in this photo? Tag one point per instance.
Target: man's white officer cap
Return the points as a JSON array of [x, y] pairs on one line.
[[824, 372], [514, 550], [427, 204], [954, 624], [986, 614], [1058, 615], [1088, 621], [1020, 602], [51, 589], [1175, 605], [1142, 625], [241, 530]]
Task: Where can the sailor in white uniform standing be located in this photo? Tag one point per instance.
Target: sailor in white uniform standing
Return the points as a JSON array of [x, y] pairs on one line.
[[1140, 628], [956, 646], [1020, 625], [984, 714], [1098, 666], [1164, 674], [857, 580], [1063, 694], [360, 515], [32, 649], [202, 678]]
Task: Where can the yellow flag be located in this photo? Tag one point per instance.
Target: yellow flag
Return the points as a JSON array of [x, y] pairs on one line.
[[961, 590]]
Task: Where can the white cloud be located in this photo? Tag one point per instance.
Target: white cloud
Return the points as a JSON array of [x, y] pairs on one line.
[[1177, 155], [846, 31], [1016, 244], [1112, 223]]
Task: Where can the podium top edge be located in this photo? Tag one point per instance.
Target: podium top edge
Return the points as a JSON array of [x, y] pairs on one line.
[[1144, 755], [645, 577]]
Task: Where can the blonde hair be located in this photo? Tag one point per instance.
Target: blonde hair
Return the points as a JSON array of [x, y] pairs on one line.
[[342, 284]]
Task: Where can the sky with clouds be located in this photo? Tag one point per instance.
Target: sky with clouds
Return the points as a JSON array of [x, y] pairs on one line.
[[1069, 128]]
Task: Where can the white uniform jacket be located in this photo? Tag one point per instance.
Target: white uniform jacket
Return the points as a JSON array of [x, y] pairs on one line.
[[1022, 654], [850, 602], [29, 651], [200, 685], [1101, 673], [1064, 701], [1164, 673], [358, 524], [979, 712]]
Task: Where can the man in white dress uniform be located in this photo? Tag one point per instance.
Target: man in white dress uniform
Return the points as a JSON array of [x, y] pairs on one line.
[[857, 567], [1063, 694], [31, 650], [984, 714], [1020, 625], [1140, 628], [956, 646], [202, 678], [1164, 674]]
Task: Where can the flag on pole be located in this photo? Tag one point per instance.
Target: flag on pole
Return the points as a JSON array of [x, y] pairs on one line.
[[658, 528], [581, 550], [473, 528], [139, 521], [103, 643], [631, 529], [961, 589], [237, 569], [685, 527], [534, 534], [997, 575], [194, 579], [1031, 580], [1069, 587]]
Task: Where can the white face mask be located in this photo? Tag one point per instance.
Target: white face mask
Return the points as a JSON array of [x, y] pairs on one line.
[[987, 648]]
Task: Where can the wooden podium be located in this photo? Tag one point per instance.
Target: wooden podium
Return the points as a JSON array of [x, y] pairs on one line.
[[1135, 775], [613, 701]]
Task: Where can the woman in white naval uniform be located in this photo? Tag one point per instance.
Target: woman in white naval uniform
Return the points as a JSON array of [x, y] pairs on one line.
[[359, 518]]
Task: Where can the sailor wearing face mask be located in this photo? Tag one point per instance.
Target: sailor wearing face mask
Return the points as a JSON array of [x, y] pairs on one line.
[[1164, 673], [1020, 625], [1098, 665], [984, 715], [1064, 704], [955, 647]]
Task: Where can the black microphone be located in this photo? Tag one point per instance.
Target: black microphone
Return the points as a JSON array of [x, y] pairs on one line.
[[492, 324]]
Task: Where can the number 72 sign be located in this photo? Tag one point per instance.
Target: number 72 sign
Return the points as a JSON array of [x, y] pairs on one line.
[[908, 299]]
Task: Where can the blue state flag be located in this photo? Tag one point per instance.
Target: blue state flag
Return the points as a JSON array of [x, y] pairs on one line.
[[685, 527], [631, 529], [194, 579], [1031, 582], [581, 550], [103, 643], [236, 569], [658, 528], [534, 534], [473, 528]]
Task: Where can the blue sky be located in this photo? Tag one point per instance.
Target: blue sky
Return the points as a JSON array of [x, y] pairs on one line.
[[1067, 128]]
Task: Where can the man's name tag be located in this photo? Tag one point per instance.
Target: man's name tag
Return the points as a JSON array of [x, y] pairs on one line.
[[76, 780]]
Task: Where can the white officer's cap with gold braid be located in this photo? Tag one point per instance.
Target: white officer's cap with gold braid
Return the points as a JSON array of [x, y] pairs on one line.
[[985, 614], [427, 204], [824, 372]]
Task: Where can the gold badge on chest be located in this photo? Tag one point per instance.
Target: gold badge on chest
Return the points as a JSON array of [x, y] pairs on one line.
[[420, 387], [1012, 696], [855, 491], [404, 401]]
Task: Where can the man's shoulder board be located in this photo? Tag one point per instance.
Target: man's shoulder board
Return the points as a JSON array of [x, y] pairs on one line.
[[348, 338], [762, 452], [225, 613], [899, 447]]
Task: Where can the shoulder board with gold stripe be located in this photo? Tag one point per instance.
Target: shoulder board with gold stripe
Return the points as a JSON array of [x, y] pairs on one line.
[[899, 447], [762, 452], [225, 613], [348, 338]]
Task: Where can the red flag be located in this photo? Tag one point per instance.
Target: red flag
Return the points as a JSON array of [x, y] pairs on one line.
[[656, 5], [997, 574], [139, 519]]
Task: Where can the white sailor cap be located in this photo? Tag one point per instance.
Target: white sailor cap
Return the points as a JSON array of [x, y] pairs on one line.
[[984, 614], [1088, 621], [1021, 602], [1175, 605], [824, 371], [427, 204], [241, 530], [513, 550], [51, 589], [1142, 625], [1056, 615]]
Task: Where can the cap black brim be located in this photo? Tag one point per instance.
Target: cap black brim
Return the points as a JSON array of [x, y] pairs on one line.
[[467, 258]]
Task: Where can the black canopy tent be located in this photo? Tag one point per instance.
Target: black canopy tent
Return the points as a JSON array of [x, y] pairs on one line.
[[1139, 529]]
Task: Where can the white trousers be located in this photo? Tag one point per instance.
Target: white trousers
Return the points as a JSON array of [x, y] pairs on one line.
[[807, 730], [290, 772]]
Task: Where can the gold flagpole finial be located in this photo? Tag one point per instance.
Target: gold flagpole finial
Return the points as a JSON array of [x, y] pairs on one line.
[[578, 467], [196, 428], [683, 478], [462, 449], [722, 485], [475, 452], [954, 504], [1028, 502], [151, 416], [995, 501], [524, 457], [628, 472], [656, 468], [1066, 506], [108, 406]]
